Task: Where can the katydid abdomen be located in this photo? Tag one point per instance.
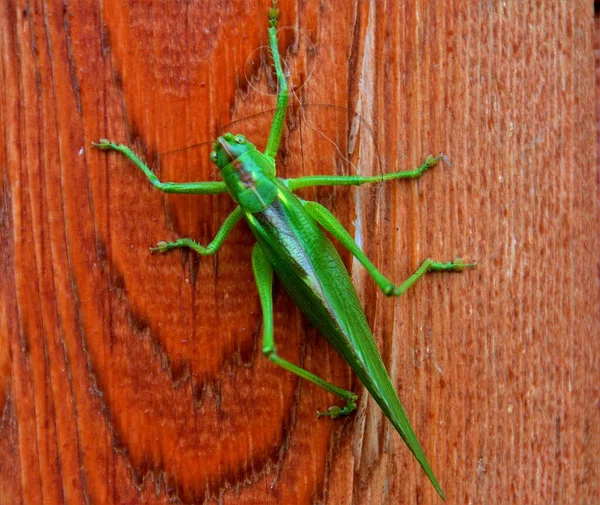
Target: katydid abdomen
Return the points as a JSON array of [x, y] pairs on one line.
[[313, 274]]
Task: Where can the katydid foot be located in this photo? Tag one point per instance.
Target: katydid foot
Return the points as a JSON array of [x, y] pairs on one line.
[[429, 265], [104, 145], [335, 411], [430, 161]]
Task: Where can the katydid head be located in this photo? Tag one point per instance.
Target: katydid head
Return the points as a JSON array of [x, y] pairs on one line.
[[229, 148], [247, 173]]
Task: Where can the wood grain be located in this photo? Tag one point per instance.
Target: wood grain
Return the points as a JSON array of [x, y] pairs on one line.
[[132, 378]]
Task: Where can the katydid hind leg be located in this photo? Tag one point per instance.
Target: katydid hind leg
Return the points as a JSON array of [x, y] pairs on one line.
[[429, 265], [263, 274], [330, 223]]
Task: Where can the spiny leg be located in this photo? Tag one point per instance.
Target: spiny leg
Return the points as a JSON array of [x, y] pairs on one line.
[[199, 188], [282, 95], [263, 274], [211, 248], [357, 180], [328, 221]]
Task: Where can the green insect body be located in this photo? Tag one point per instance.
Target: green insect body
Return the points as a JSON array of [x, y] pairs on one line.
[[290, 243]]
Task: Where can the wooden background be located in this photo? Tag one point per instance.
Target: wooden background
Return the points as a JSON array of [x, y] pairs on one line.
[[132, 378]]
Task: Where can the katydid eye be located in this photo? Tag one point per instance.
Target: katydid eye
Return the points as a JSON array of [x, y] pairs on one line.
[[240, 139], [213, 157]]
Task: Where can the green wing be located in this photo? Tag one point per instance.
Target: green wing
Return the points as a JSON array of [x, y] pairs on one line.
[[314, 275]]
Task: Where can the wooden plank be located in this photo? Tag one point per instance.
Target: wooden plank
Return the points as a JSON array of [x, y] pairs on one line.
[[132, 378]]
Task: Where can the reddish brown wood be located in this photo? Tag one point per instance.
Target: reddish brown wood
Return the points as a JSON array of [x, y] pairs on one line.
[[132, 378]]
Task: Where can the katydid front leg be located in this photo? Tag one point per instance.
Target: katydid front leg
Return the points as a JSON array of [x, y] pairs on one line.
[[329, 222], [282, 95], [197, 188], [263, 274]]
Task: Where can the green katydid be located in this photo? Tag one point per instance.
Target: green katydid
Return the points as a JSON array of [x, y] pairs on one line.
[[290, 243]]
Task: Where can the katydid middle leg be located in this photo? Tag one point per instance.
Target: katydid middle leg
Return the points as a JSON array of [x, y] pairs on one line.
[[211, 248], [358, 180], [263, 274], [329, 222]]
